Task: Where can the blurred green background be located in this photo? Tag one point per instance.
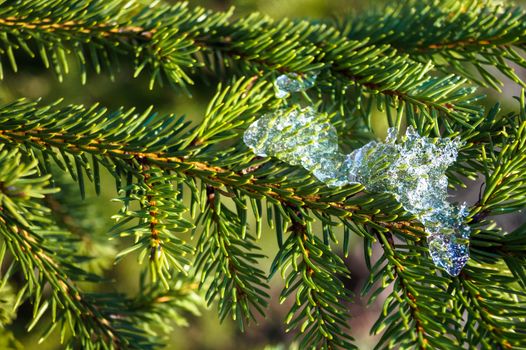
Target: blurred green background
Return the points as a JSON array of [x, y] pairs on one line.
[[204, 332]]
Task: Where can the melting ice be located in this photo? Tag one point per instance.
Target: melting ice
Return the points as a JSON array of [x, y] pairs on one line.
[[413, 170], [293, 82], [299, 137]]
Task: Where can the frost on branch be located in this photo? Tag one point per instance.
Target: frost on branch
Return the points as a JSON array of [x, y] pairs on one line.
[[413, 170]]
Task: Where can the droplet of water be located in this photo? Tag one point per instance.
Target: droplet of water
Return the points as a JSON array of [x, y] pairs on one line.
[[293, 82]]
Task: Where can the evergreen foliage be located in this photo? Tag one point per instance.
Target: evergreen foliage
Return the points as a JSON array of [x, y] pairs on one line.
[[176, 180]]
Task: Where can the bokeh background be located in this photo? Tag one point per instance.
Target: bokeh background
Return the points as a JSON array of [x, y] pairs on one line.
[[205, 332]]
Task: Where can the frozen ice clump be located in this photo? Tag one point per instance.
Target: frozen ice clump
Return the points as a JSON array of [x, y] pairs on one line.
[[299, 137], [293, 82], [448, 238], [413, 170]]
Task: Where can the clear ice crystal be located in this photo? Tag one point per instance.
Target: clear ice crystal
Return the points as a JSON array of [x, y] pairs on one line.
[[299, 137], [448, 238], [413, 170], [293, 82]]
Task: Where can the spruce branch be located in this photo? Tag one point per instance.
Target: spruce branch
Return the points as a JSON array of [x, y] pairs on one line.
[[377, 61], [416, 314], [503, 171], [158, 221], [8, 307], [173, 41], [514, 253], [468, 37], [97, 32], [77, 131], [28, 235], [227, 261], [155, 307], [492, 322], [319, 311]]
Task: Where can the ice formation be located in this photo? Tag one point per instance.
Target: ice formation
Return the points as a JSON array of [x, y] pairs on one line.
[[413, 170], [293, 82], [299, 137]]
